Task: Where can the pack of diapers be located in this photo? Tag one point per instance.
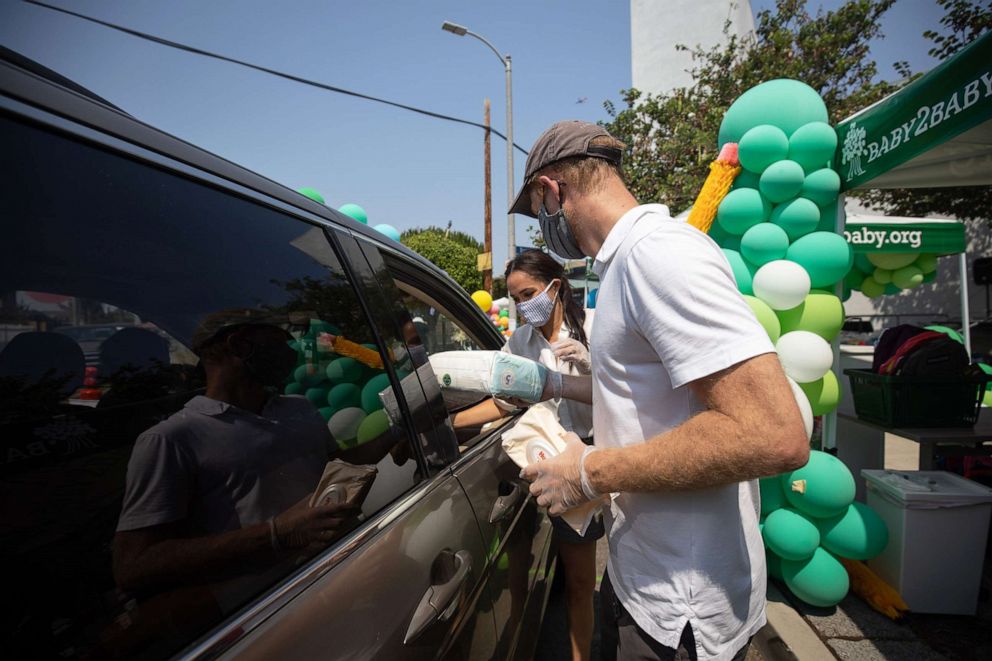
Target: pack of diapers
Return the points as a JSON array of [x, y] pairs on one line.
[[493, 373]]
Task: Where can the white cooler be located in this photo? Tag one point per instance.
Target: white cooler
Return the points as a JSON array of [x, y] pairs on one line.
[[938, 524]]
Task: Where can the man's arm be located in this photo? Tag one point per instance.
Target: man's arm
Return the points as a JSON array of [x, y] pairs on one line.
[[752, 428]]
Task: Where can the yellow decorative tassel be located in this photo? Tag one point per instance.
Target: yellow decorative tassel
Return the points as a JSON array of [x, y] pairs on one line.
[[722, 173], [876, 593], [354, 350]]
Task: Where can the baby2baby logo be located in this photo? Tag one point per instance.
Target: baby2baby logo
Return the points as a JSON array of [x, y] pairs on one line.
[[857, 151], [884, 237]]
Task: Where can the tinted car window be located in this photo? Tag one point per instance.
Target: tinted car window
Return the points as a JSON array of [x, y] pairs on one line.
[[140, 506]]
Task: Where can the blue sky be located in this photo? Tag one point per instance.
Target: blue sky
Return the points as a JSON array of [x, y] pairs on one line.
[[405, 169]]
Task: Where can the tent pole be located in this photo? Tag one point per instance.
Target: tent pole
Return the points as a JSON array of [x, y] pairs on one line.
[[828, 439], [965, 314]]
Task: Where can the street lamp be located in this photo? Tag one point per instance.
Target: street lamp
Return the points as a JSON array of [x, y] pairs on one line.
[[461, 31]]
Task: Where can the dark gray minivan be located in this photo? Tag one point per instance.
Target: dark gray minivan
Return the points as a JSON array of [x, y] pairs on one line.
[[107, 221]]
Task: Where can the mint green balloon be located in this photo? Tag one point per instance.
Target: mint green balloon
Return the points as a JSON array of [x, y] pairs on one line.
[[892, 260], [761, 146], [781, 181], [926, 262], [819, 313], [813, 145], [787, 104], [871, 287], [308, 376], [822, 488], [790, 535], [317, 395], [854, 277], [312, 194], [326, 412], [773, 563], [949, 332], [344, 395], [772, 496], [797, 217], [823, 394], [763, 243], [294, 388], [766, 317], [354, 211], [826, 256], [371, 390], [819, 581], [907, 277], [345, 370], [372, 427], [863, 264], [882, 276], [746, 179], [859, 533], [821, 187], [741, 209], [743, 272]]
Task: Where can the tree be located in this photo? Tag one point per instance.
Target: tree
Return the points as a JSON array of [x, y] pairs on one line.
[[453, 252], [672, 138]]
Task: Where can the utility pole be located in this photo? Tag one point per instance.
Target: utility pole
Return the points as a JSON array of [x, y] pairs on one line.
[[487, 274]]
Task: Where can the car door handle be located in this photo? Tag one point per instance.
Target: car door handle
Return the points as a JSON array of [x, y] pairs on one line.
[[505, 505], [439, 602]]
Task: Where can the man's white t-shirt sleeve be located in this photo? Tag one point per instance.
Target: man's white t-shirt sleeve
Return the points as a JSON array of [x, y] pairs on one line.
[[682, 295]]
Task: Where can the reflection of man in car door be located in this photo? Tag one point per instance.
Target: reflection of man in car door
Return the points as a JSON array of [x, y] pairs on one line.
[[221, 487]]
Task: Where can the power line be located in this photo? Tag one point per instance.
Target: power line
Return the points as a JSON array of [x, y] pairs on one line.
[[273, 72]]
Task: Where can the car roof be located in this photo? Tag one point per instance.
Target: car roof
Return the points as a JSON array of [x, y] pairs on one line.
[[27, 81]]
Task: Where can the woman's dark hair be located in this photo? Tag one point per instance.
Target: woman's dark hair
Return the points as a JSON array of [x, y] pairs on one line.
[[544, 268]]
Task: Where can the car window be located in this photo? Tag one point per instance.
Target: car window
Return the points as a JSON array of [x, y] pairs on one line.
[[178, 366]]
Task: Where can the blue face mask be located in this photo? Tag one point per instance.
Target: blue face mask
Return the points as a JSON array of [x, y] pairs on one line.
[[558, 235], [537, 311]]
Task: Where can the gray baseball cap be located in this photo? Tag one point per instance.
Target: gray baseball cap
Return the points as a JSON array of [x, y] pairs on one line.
[[563, 140]]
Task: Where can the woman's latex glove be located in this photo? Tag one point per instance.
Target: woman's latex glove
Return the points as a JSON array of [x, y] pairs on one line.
[[572, 351], [558, 482]]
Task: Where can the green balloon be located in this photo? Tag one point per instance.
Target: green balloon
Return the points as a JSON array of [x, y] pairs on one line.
[[797, 217], [773, 563], [356, 212], [854, 277], [787, 104], [373, 426], [326, 412], [504, 313], [308, 376], [871, 288], [294, 388], [987, 399], [761, 146], [823, 394], [741, 209], [950, 332], [781, 181], [819, 313], [371, 390], [892, 260], [813, 145], [929, 277], [772, 496], [891, 289], [317, 395], [345, 370], [862, 264], [766, 317], [826, 256], [926, 262], [859, 533], [819, 581], [882, 276], [344, 395], [746, 179], [763, 243], [907, 277], [312, 194], [821, 187], [822, 488], [344, 425], [743, 272], [790, 535]]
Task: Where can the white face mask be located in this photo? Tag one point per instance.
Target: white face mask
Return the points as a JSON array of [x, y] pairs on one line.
[[537, 311]]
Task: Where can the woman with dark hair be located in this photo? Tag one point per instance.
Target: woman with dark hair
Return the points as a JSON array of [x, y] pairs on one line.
[[552, 332]]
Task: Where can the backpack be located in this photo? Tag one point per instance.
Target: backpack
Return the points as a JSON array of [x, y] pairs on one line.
[[934, 356]]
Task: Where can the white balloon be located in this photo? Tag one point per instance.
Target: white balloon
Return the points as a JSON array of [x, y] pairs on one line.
[[805, 356], [344, 424], [781, 284], [805, 409]]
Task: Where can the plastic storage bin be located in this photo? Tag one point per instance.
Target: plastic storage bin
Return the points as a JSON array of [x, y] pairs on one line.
[[917, 401], [938, 524]]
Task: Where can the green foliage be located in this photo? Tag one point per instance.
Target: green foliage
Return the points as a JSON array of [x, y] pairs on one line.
[[671, 138], [453, 252]]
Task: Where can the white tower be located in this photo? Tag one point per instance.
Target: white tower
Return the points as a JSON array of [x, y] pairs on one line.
[[657, 26]]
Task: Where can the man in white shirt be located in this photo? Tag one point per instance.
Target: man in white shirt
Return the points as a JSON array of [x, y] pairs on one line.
[[690, 406]]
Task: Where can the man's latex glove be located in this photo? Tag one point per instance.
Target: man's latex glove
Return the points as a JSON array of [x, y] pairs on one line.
[[558, 482], [572, 351]]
